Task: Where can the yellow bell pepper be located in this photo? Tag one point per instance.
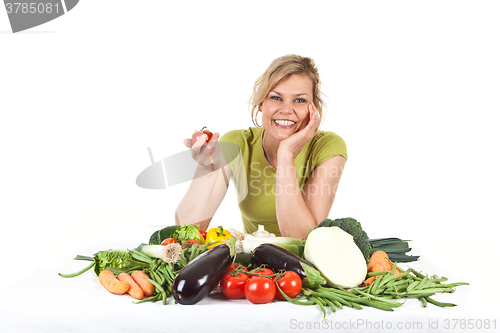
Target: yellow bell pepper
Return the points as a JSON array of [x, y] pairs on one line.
[[217, 235]]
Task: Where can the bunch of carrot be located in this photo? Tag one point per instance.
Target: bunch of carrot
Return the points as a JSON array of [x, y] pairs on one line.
[[135, 284], [379, 261]]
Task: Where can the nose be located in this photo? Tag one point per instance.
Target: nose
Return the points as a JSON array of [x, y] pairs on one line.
[[286, 108]]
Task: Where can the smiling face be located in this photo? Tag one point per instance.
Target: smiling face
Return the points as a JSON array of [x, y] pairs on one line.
[[285, 108]]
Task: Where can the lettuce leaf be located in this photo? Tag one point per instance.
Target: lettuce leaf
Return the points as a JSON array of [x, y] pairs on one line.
[[187, 232]]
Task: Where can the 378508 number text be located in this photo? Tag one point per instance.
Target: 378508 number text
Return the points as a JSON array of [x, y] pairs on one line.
[[31, 7], [477, 324]]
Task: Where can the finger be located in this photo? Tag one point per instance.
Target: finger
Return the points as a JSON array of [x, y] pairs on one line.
[[312, 107], [214, 138], [202, 139], [188, 143], [315, 115], [313, 119]]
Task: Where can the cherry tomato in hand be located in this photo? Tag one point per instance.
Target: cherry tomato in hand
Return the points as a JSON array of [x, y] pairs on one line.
[[260, 290], [199, 133], [169, 241], [290, 284], [261, 271], [233, 287]]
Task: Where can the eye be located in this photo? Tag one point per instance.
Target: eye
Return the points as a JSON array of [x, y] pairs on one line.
[[274, 97], [300, 100]]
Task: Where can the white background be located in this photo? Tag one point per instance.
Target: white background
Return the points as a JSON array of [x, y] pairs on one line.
[[412, 87]]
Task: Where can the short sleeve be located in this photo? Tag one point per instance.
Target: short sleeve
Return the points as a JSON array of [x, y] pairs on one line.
[[327, 145]]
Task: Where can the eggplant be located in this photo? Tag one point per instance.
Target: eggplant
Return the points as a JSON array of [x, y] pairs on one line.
[[200, 276], [277, 258]]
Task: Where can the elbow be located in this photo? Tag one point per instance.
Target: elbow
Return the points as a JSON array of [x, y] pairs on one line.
[[176, 218]]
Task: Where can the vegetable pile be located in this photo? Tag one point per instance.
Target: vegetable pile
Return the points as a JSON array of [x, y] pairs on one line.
[[337, 266]]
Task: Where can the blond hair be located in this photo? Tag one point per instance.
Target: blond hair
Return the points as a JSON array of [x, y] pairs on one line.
[[279, 68]]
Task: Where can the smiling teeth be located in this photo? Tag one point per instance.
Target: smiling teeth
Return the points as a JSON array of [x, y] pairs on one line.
[[284, 122]]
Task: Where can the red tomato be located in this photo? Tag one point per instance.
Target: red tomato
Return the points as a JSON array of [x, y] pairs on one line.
[[290, 284], [199, 133], [233, 287], [169, 241], [260, 290], [261, 271], [235, 265], [190, 243], [204, 234]]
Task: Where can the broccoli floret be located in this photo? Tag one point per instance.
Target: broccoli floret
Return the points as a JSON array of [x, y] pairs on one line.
[[352, 227]]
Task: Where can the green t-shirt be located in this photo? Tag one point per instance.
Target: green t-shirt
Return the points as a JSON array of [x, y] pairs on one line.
[[255, 178]]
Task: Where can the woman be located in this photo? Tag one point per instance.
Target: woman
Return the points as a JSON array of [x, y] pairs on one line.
[[291, 169]]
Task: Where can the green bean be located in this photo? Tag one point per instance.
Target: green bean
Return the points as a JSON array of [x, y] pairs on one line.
[[134, 268], [350, 300], [157, 286], [436, 280], [430, 290], [336, 290], [330, 304], [424, 301], [79, 272], [320, 304], [150, 299], [400, 282], [303, 302], [192, 255], [379, 305], [421, 284], [388, 302], [377, 273], [412, 286], [141, 256], [450, 285], [158, 277], [333, 297], [375, 284], [386, 279], [291, 300], [417, 274], [430, 300]]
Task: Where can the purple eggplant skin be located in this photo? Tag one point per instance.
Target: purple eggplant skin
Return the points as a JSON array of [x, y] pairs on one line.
[[201, 275], [277, 258]]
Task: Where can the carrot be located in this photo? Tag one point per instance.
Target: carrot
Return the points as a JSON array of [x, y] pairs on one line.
[[134, 290], [379, 261], [370, 280], [109, 281], [146, 286]]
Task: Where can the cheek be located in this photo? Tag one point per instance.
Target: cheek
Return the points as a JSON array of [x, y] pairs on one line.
[[304, 119]]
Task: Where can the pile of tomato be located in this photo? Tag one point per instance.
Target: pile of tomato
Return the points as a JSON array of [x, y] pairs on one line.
[[259, 285]]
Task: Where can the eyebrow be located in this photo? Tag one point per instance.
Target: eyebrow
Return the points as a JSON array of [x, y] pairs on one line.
[[299, 94]]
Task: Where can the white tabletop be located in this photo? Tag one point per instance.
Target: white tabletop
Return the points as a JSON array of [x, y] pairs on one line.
[[45, 302]]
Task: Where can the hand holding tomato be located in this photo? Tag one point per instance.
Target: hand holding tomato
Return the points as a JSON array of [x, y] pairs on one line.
[[205, 149], [199, 133]]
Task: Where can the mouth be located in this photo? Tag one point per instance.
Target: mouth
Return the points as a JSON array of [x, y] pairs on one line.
[[281, 123]]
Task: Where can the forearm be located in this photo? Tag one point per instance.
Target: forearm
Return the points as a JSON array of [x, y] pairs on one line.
[[294, 217], [202, 198]]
